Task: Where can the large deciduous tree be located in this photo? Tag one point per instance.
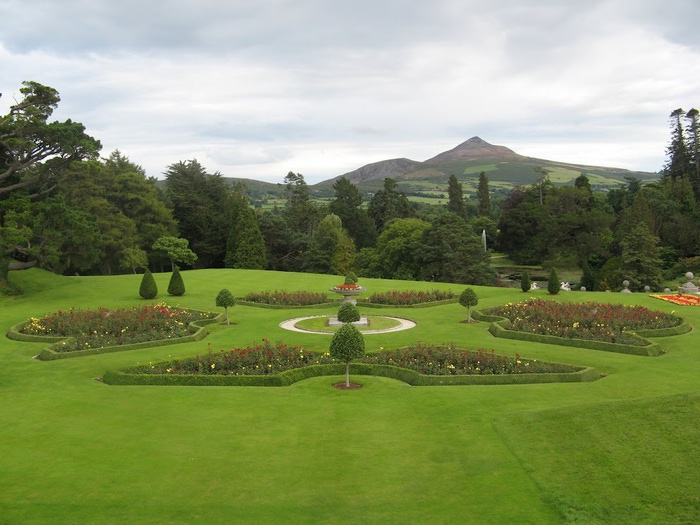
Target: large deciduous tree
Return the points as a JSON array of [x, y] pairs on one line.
[[200, 204], [35, 154], [450, 251]]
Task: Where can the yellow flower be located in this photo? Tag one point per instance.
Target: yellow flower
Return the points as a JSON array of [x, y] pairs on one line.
[[213, 365]]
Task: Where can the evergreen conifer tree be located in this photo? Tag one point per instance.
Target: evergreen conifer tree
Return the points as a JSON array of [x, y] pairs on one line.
[[553, 284], [525, 283], [176, 286], [149, 288]]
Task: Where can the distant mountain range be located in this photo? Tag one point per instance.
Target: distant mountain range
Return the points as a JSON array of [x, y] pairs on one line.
[[428, 179], [501, 165]]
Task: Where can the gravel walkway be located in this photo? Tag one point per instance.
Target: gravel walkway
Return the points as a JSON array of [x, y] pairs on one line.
[[290, 324]]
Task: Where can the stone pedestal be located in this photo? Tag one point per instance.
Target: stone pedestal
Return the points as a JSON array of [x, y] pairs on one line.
[[689, 287]]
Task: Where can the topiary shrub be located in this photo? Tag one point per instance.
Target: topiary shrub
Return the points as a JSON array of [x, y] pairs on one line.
[[351, 278], [553, 284], [347, 344], [468, 298], [176, 286], [348, 313], [149, 288], [225, 299], [525, 283]]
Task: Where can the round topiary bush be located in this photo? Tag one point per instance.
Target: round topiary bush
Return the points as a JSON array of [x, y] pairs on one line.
[[176, 286], [149, 288], [225, 299], [348, 313]]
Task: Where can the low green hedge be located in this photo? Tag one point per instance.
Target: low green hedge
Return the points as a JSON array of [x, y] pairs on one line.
[[500, 327], [417, 305], [288, 377], [197, 328], [283, 306]]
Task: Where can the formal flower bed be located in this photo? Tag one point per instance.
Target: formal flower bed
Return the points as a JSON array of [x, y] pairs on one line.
[[102, 327], [409, 297], [283, 298], [682, 299], [272, 358], [588, 321]]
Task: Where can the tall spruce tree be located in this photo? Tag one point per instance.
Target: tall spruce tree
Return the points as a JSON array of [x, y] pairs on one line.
[[455, 195], [484, 196]]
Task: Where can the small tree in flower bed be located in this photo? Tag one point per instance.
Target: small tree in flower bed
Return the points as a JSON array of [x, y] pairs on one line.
[[282, 298], [102, 327], [409, 297], [589, 321]]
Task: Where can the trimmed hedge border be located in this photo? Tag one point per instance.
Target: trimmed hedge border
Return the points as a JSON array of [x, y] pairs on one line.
[[500, 327], [197, 328], [283, 306], [359, 303], [289, 377]]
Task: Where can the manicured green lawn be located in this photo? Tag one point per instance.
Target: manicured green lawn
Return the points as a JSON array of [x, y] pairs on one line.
[[624, 449]]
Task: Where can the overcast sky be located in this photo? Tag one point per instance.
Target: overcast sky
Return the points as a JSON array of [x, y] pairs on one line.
[[258, 88]]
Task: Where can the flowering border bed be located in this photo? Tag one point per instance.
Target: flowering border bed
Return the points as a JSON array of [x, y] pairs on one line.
[[62, 345], [268, 364], [680, 299], [607, 327]]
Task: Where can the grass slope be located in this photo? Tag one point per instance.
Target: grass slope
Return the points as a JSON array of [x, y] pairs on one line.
[[624, 449]]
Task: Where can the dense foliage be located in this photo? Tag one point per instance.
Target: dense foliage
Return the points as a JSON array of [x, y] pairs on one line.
[[102, 327], [66, 210], [589, 321]]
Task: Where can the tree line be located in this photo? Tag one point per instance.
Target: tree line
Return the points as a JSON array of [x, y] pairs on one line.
[[65, 209]]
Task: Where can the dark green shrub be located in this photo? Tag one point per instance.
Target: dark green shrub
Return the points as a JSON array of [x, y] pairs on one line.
[[176, 286], [348, 313], [149, 288], [525, 283], [351, 278], [553, 284]]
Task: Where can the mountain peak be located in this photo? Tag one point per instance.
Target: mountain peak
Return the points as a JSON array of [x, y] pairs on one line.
[[475, 148]]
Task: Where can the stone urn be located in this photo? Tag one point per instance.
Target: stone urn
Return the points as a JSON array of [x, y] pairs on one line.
[[348, 291]]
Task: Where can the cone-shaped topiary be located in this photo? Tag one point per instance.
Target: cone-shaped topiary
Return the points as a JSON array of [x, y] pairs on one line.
[[225, 299], [149, 288], [348, 313], [176, 286], [553, 284], [347, 344], [525, 283]]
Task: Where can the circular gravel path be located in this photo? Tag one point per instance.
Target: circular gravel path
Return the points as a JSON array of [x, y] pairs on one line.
[[290, 324]]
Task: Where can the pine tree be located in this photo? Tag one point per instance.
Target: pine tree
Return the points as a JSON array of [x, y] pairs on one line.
[[149, 288], [483, 195], [176, 286], [455, 195]]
